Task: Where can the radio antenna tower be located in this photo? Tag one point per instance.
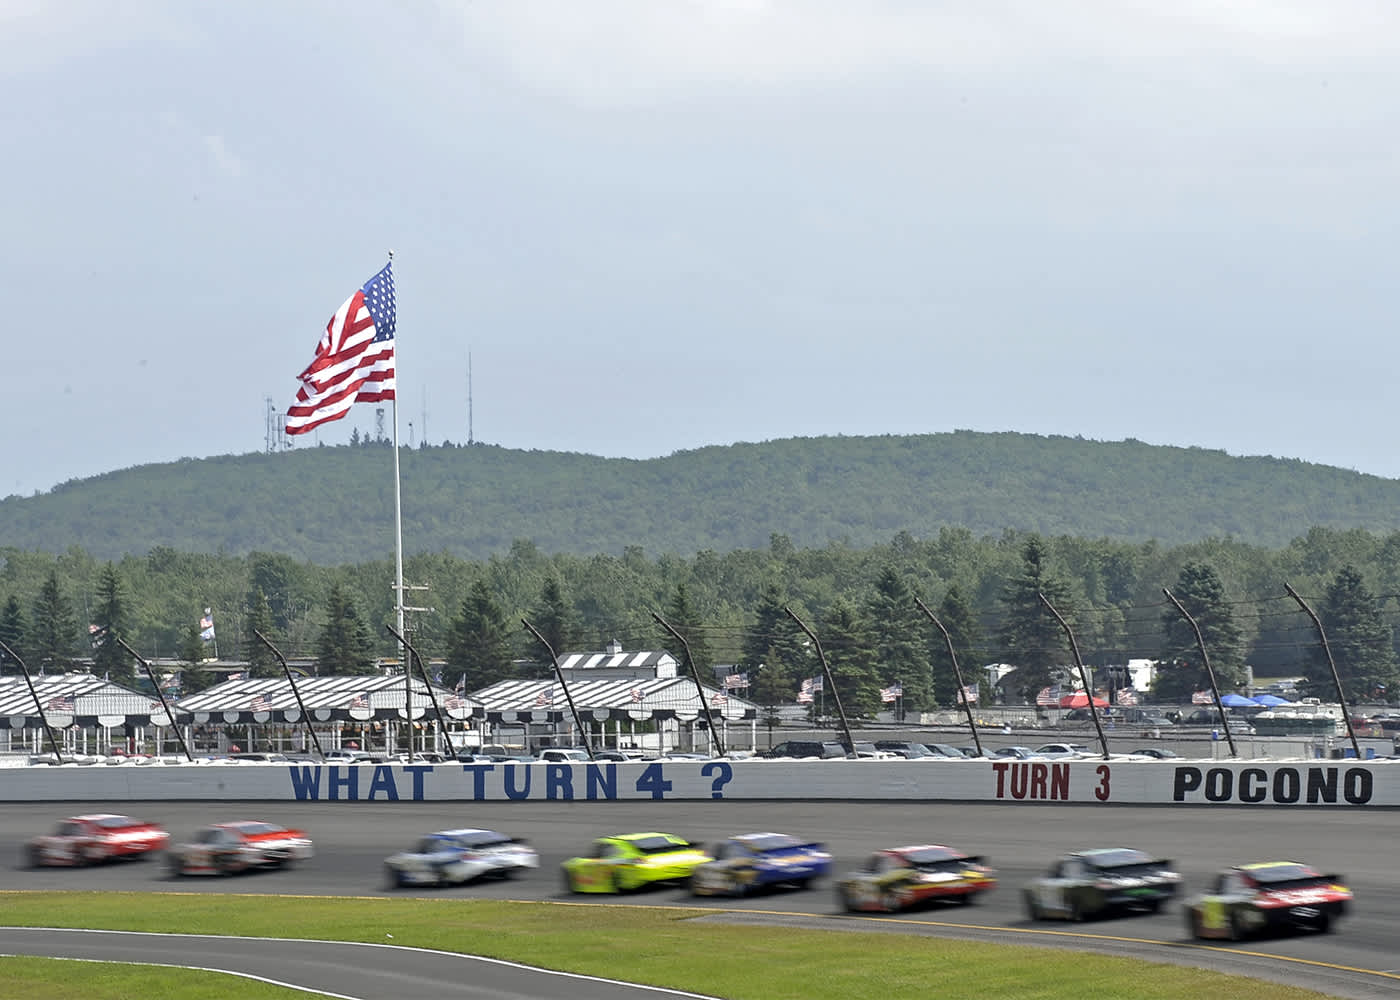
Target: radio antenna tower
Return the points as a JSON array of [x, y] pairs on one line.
[[470, 438]]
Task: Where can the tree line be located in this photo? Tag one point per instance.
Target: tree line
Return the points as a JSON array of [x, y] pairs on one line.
[[737, 610]]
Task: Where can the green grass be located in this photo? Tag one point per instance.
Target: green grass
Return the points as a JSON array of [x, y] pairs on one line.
[[664, 947]]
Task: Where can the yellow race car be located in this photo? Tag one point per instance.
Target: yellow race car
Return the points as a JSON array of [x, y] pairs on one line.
[[630, 861]]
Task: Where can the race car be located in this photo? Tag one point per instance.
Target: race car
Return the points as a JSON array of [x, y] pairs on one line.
[[451, 857], [1267, 896], [227, 848], [1090, 883], [904, 877], [751, 860], [90, 840], [631, 860]]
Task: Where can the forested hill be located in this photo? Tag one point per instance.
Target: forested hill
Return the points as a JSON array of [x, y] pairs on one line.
[[334, 505]]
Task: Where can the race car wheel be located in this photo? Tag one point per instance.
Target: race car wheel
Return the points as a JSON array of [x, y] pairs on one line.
[[1323, 924], [1193, 925], [889, 902], [738, 889], [967, 898], [174, 865], [1032, 907], [1237, 931], [1155, 906], [843, 896], [35, 857], [568, 881], [391, 878], [92, 854], [617, 884]]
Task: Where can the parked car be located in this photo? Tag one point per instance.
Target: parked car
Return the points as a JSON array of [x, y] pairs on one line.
[[1017, 753], [1062, 751], [1090, 883], [1267, 896], [1157, 753], [947, 750], [826, 750], [910, 751]]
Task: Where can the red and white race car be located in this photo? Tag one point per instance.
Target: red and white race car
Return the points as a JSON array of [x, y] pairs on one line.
[[90, 840], [226, 848]]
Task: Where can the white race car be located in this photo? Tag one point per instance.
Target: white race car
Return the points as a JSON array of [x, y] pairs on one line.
[[451, 857]]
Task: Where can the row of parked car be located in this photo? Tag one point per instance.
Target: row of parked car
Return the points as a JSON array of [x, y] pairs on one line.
[[831, 750]]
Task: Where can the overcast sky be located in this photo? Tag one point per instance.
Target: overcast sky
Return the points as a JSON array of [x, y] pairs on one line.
[[656, 226]]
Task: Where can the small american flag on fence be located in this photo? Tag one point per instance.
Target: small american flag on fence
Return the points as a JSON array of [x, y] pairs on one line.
[[359, 701], [544, 698], [261, 704], [63, 703]]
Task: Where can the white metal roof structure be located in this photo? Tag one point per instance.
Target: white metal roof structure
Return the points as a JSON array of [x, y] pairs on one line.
[[74, 699], [353, 697], [608, 700]]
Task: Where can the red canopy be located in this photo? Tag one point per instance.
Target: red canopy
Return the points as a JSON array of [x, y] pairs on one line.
[[1081, 700]]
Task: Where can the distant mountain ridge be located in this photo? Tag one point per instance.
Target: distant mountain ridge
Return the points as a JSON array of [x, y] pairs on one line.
[[334, 505]]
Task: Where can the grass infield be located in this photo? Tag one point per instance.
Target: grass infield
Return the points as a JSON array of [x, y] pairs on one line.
[[658, 946]]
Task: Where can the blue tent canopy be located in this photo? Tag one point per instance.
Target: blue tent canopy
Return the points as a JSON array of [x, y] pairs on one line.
[[1271, 700], [1233, 700]]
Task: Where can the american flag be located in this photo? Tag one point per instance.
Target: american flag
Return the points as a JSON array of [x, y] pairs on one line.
[[544, 698], [63, 703], [1049, 697], [261, 704], [354, 360], [818, 684], [454, 702], [359, 701], [1127, 696], [206, 625], [968, 695], [636, 694], [734, 681], [892, 693], [1202, 698], [237, 677], [461, 684], [719, 698], [804, 697]]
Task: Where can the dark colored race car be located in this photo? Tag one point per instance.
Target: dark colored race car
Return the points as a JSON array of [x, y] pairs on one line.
[[1267, 896], [95, 838], [905, 877], [752, 860], [1096, 882]]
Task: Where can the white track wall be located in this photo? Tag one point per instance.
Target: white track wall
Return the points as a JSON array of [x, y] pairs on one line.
[[1344, 784]]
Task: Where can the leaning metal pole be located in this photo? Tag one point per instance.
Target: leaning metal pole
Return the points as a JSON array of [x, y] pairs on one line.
[[829, 681], [957, 672], [1083, 675], [568, 696], [43, 718], [1336, 677], [179, 736], [1210, 671], [432, 695], [296, 693], [699, 687]]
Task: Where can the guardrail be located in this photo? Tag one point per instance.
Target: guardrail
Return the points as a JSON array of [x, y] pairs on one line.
[[1323, 783]]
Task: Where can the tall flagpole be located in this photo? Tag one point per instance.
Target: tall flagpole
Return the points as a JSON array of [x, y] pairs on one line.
[[398, 550]]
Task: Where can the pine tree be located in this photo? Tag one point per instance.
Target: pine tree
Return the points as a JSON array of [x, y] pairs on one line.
[[478, 642], [1030, 635], [683, 617], [896, 628], [958, 618], [55, 636], [1180, 671], [344, 645], [108, 658], [845, 639], [14, 631], [1360, 641], [776, 642], [193, 677], [257, 617], [555, 619]]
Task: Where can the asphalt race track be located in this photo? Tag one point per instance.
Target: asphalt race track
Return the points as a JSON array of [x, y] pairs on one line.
[[1358, 960]]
